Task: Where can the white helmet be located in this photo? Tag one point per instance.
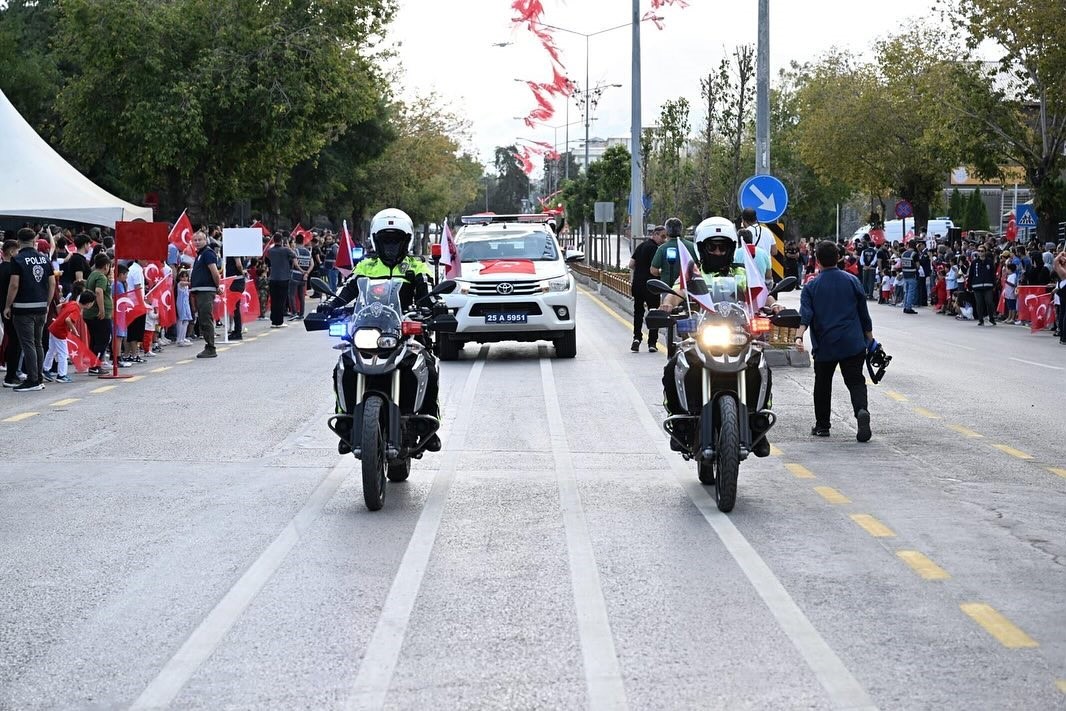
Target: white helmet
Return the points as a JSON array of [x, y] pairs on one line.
[[392, 235], [719, 227], [720, 232]]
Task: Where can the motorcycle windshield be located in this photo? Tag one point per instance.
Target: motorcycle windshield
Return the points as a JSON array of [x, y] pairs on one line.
[[378, 306]]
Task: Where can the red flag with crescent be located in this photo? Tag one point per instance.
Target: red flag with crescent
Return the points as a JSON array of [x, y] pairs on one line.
[[129, 307], [181, 234], [81, 355], [162, 297], [344, 251], [249, 301], [1041, 311]]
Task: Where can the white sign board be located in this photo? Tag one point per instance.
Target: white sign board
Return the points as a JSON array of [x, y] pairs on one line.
[[242, 242], [604, 211]]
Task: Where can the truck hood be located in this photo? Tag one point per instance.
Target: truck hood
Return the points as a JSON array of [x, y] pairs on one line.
[[511, 270]]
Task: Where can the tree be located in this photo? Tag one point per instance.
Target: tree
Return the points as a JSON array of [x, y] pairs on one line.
[[218, 97], [956, 207], [609, 178], [975, 216], [668, 169], [1020, 103], [30, 76], [511, 192]]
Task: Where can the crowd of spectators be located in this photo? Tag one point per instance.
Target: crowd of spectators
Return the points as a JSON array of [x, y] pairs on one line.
[[979, 277], [88, 281]]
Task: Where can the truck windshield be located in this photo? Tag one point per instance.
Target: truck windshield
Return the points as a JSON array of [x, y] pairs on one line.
[[535, 246]]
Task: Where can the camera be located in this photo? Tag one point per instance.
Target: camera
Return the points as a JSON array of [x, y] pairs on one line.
[[876, 361]]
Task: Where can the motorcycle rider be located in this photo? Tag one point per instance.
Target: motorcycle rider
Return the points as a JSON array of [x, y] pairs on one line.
[[716, 244], [392, 235]]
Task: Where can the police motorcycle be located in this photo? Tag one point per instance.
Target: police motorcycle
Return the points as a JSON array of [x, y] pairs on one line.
[[723, 341], [385, 378]]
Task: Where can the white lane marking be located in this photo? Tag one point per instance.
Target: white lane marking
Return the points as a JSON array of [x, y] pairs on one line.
[[603, 677], [202, 643], [1039, 365], [379, 661], [840, 685], [958, 345]]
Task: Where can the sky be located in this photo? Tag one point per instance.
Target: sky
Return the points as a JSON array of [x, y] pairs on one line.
[[447, 47]]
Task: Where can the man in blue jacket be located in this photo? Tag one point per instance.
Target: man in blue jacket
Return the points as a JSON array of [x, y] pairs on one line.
[[833, 309]]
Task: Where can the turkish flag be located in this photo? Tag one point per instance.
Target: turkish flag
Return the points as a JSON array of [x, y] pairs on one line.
[[249, 300], [507, 266], [449, 257], [344, 252], [162, 297], [1025, 294], [153, 272], [1041, 310], [81, 355], [181, 235], [301, 232], [129, 307], [262, 227], [227, 300], [877, 237]]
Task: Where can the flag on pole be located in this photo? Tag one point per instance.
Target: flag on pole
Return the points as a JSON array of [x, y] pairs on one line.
[[181, 235], [688, 270], [449, 254], [162, 297], [757, 291], [344, 252], [263, 228], [1041, 310]]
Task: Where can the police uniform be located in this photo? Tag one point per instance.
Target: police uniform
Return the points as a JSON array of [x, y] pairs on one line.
[[374, 268]]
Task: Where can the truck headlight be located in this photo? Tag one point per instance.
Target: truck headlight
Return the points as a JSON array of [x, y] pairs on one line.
[[560, 284]]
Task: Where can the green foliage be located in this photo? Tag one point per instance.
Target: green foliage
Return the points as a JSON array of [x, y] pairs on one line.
[[669, 170], [578, 197], [1019, 106], [975, 215], [609, 178], [956, 207], [511, 192], [29, 73]]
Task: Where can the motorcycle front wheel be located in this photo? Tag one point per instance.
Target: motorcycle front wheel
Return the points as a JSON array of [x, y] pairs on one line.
[[727, 456], [374, 453]]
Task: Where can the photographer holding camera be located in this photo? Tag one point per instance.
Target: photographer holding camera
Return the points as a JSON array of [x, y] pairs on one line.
[[833, 307]]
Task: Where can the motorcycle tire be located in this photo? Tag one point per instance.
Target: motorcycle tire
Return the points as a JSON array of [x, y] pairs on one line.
[[374, 453], [447, 348], [727, 456], [399, 469]]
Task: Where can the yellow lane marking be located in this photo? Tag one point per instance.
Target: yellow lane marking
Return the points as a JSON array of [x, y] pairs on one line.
[[162, 369], [799, 471], [923, 566], [103, 389], [775, 451], [1055, 470], [872, 526], [832, 495], [898, 397], [183, 362], [1061, 683], [223, 350], [68, 401], [964, 431], [134, 379], [927, 413], [251, 339], [1005, 631], [611, 312], [1012, 452], [21, 417], [236, 344]]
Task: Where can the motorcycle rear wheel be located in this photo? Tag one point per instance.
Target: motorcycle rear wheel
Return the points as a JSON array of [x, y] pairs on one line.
[[727, 456], [374, 453]]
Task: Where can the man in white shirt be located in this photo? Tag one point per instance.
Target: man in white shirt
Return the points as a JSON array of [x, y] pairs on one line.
[[135, 329], [761, 235]]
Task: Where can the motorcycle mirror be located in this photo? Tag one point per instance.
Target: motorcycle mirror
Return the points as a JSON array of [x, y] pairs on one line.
[[443, 323], [786, 284], [322, 286], [657, 318], [697, 287], [658, 286], [573, 255], [445, 287], [788, 318]]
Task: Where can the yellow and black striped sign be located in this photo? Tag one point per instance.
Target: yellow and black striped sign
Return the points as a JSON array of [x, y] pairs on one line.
[[778, 259]]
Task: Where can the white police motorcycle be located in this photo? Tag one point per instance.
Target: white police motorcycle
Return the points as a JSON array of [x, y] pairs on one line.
[[385, 378], [716, 350]]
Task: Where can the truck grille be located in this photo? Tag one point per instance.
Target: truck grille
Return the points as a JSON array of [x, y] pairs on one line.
[[498, 307], [492, 288]]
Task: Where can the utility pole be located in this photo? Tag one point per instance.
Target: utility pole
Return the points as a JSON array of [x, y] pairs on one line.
[[636, 192], [762, 98]]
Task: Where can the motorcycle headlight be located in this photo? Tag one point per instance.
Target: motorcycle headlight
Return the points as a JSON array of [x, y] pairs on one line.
[[387, 342], [560, 284], [721, 337], [366, 339]]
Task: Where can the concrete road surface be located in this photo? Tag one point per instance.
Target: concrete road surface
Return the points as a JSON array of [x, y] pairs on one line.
[[192, 539]]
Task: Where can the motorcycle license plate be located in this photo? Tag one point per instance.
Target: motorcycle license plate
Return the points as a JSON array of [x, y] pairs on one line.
[[506, 317], [686, 325]]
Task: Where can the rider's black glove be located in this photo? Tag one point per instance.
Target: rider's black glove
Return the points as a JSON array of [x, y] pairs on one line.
[[324, 308]]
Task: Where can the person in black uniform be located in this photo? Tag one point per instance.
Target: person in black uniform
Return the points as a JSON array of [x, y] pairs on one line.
[[640, 266]]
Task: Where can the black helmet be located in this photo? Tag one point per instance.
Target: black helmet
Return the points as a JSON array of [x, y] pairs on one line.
[[673, 227]]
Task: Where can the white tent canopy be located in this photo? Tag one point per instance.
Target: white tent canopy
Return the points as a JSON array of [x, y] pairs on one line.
[[36, 182]]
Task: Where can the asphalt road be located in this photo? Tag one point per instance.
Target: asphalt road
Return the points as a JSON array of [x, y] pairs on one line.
[[192, 539]]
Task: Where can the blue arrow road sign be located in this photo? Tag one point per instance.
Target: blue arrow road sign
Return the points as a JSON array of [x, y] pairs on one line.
[[1026, 216], [766, 195]]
